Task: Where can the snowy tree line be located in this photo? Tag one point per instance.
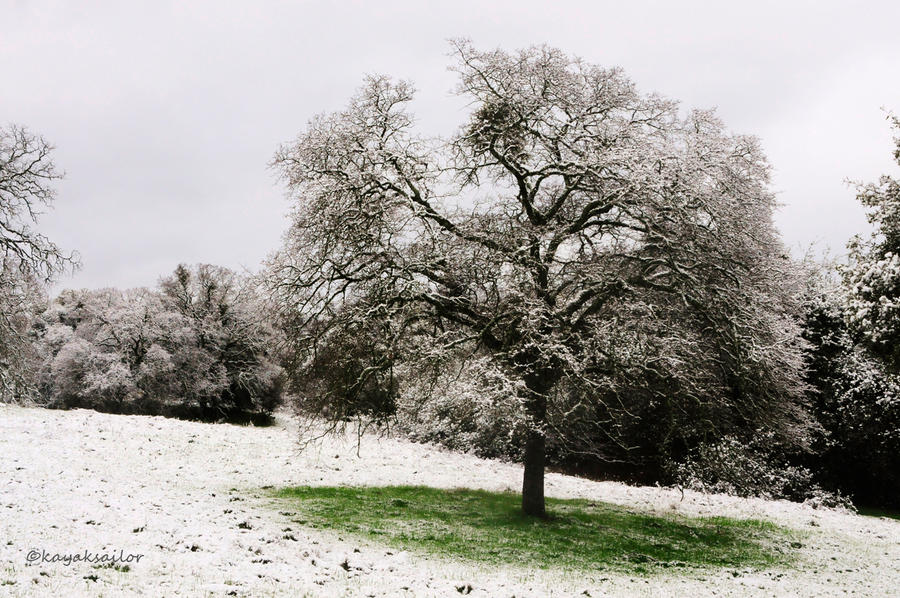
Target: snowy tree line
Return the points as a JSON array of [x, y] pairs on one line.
[[198, 346], [582, 275]]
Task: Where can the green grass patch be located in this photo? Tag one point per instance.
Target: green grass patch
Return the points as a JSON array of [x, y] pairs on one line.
[[489, 527]]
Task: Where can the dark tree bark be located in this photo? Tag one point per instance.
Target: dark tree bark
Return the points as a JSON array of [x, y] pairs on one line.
[[539, 384], [533, 478]]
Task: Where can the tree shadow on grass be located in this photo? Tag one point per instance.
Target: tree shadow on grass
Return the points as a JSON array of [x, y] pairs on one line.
[[488, 527]]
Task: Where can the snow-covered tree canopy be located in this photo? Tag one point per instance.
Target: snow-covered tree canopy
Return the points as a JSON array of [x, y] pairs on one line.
[[574, 233], [873, 274]]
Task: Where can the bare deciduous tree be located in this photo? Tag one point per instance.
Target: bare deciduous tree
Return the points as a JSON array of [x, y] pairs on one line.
[[568, 212], [28, 259]]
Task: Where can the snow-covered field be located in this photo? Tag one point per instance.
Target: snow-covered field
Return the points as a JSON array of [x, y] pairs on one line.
[[187, 497]]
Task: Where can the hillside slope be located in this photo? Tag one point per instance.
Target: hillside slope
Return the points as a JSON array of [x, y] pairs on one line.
[[187, 496]]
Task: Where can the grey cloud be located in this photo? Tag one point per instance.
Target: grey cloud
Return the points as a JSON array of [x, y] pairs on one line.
[[165, 115]]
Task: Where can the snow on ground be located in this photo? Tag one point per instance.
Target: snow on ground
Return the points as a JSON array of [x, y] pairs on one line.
[[187, 497]]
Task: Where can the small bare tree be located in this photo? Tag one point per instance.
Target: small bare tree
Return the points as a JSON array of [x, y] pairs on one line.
[[566, 202], [28, 259]]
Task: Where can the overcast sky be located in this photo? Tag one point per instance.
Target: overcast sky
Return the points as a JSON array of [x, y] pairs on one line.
[[166, 114]]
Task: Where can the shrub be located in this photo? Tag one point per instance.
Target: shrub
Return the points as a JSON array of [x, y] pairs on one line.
[[758, 467], [474, 410]]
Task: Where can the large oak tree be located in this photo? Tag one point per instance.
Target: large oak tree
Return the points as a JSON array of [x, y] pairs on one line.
[[568, 221]]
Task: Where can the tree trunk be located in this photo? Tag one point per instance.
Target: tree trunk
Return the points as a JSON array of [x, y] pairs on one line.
[[533, 478], [538, 383]]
